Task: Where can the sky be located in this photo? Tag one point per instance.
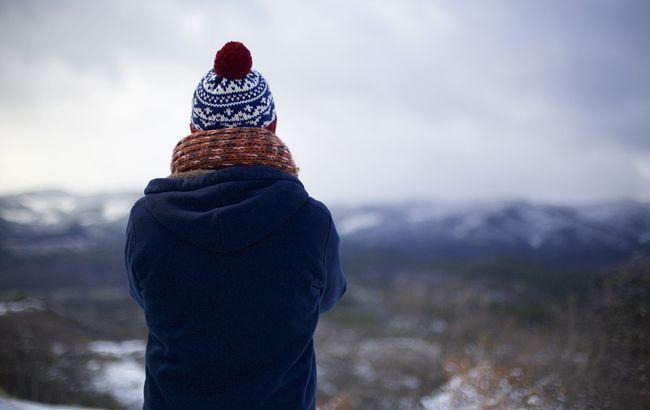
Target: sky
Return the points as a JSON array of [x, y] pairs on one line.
[[377, 100]]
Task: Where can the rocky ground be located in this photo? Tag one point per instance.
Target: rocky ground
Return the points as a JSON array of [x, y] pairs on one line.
[[413, 341]]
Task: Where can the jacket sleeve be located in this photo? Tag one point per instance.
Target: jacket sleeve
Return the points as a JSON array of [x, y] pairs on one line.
[[129, 249], [335, 283]]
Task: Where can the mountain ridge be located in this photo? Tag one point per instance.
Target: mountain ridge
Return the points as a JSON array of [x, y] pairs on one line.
[[84, 234]]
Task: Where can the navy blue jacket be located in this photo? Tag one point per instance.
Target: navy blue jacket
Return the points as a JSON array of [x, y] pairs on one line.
[[232, 269]]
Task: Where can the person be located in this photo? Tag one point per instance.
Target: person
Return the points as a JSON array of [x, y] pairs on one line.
[[230, 258]]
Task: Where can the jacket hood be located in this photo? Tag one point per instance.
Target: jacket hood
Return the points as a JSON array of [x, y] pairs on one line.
[[227, 209]]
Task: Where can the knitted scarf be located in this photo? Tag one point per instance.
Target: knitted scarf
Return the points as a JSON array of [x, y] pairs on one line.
[[205, 151]]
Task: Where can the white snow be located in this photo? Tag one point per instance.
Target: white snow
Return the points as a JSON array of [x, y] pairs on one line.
[[120, 372], [24, 305], [115, 209], [48, 209], [481, 387], [467, 224], [17, 404], [49, 203], [128, 347], [42, 208], [427, 213], [357, 222], [20, 216], [380, 346], [444, 399], [124, 380]]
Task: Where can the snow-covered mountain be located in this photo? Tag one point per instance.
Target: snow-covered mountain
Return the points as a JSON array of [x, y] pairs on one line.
[[507, 221], [55, 222], [595, 233], [45, 222]]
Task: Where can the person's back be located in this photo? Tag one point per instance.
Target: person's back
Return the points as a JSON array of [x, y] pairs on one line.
[[232, 262]]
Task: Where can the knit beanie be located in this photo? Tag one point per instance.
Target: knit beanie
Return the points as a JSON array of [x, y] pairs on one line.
[[232, 94], [233, 120]]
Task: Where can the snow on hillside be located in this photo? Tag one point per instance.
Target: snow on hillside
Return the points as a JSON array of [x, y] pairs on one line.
[[18, 306], [116, 208], [47, 222], [17, 404], [52, 208], [39, 208], [121, 370], [481, 387], [616, 226], [359, 221]]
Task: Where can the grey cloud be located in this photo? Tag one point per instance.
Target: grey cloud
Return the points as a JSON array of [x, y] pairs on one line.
[[570, 76]]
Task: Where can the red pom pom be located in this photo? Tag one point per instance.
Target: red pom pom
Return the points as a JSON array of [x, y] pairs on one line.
[[233, 61]]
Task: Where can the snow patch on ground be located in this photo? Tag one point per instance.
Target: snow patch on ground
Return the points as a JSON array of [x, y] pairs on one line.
[[18, 306], [120, 349], [380, 346], [480, 387], [17, 404], [121, 370]]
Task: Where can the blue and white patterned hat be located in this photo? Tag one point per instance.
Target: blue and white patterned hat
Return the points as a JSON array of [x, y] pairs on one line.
[[231, 94]]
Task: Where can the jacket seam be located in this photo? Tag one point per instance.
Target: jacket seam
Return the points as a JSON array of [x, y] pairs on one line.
[[324, 258], [217, 216], [327, 213], [132, 251]]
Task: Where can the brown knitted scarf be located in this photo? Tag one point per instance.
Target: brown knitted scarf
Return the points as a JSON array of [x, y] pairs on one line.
[[204, 151]]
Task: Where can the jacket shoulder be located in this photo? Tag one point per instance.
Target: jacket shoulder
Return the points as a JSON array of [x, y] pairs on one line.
[[322, 214], [139, 212], [138, 207], [318, 204], [318, 217]]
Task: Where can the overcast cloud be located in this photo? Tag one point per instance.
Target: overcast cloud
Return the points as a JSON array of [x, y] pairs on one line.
[[377, 100]]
